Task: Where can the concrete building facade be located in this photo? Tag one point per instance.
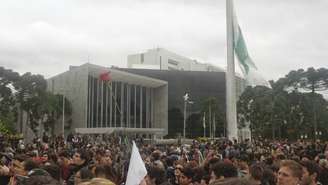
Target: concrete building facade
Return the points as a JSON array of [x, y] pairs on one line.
[[127, 103], [162, 59]]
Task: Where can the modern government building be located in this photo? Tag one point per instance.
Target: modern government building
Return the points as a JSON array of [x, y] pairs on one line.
[[141, 99]]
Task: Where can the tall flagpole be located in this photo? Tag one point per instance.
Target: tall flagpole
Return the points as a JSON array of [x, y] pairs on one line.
[[231, 112]]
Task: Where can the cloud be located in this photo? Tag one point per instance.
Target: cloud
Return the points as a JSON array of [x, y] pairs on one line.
[[46, 36]]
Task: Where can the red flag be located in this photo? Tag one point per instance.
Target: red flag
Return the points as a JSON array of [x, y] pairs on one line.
[[105, 76]]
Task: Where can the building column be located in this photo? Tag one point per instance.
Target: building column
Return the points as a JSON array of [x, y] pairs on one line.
[[128, 103], [102, 104], [111, 104], [135, 106], [115, 104], [106, 105], [147, 107], [151, 108], [141, 106], [122, 105]]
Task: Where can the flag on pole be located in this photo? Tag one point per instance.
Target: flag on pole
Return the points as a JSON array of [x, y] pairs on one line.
[[137, 170], [105, 76], [252, 75]]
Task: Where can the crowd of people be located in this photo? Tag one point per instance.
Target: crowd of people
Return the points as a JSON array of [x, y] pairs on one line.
[[104, 160]]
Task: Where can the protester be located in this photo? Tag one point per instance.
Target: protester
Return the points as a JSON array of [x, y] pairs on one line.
[[290, 173], [85, 159]]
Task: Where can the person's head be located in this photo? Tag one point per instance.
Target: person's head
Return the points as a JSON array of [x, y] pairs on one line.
[[80, 157], [310, 171], [223, 170], [41, 180], [178, 170], [29, 165], [83, 175], [236, 181], [269, 177], [198, 177], [256, 171], [156, 155], [156, 175], [187, 176], [101, 171], [45, 157], [290, 173], [53, 170], [106, 159], [63, 157]]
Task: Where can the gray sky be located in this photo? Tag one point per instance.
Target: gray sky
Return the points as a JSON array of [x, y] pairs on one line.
[[46, 36]]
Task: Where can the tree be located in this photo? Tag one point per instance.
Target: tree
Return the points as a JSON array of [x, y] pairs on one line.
[[255, 107], [312, 80], [28, 93], [286, 108], [214, 116], [7, 99]]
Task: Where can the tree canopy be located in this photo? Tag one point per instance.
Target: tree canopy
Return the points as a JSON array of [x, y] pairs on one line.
[[290, 106]]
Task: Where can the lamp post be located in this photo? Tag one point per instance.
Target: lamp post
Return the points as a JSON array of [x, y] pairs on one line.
[[186, 101]]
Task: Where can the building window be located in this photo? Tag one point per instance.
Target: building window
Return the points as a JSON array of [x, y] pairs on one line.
[[173, 62]]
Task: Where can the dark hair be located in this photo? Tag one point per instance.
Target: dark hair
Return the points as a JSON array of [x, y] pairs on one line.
[[83, 154], [53, 170], [225, 169], [311, 167], [237, 181], [256, 171], [199, 174], [268, 177], [30, 165], [86, 174], [112, 175], [188, 172], [41, 180], [64, 153], [100, 170], [157, 173], [156, 155]]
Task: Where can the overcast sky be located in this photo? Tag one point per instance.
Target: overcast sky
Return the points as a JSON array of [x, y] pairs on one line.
[[46, 36]]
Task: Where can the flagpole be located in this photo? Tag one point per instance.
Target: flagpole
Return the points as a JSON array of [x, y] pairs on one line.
[[231, 111]]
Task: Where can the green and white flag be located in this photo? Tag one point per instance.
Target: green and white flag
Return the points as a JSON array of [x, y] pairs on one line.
[[249, 69]]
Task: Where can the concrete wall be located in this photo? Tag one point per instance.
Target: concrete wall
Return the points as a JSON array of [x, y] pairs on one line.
[[74, 85], [161, 108]]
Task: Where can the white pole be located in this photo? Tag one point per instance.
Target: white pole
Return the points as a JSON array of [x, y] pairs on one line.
[[214, 126], [230, 77]]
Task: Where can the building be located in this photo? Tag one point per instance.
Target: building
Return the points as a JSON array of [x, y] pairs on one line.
[[163, 59], [146, 98], [127, 103], [201, 81], [200, 85]]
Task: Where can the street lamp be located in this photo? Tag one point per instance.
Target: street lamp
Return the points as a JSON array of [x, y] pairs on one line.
[[186, 101]]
